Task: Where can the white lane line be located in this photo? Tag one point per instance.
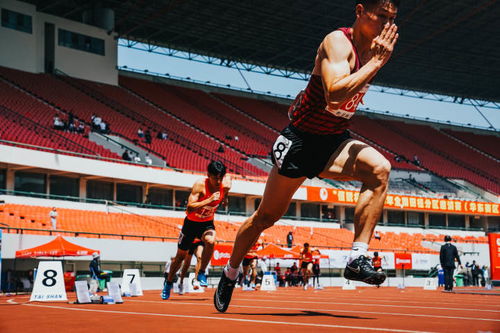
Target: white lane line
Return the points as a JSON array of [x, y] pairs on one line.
[[325, 310], [230, 319], [365, 304], [337, 297]]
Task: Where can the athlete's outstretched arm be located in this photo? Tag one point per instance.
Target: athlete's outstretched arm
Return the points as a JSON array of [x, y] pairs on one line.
[[334, 52]]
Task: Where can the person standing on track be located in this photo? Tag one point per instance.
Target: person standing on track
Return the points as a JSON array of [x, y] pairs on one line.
[[317, 143], [205, 197], [447, 256]]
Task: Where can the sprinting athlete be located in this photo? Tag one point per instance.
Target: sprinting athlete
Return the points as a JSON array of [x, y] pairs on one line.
[[196, 249], [205, 197], [317, 143], [306, 266], [250, 263]]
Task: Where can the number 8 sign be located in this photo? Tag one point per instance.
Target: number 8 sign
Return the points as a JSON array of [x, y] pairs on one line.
[[49, 283]]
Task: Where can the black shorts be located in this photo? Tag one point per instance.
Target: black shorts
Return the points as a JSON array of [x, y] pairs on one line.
[[305, 264], [300, 154], [191, 230], [194, 246], [247, 261]]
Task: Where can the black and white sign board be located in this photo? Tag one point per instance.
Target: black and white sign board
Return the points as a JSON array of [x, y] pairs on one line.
[[49, 283]]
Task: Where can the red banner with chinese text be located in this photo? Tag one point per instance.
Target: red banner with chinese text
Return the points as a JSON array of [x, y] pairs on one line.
[[407, 202], [494, 240]]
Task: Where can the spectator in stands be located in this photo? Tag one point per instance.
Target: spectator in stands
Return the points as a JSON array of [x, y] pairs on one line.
[[148, 159], [96, 123], [137, 158], [72, 127], [220, 149], [289, 239], [140, 133], [71, 118], [236, 138], [377, 235], [147, 136], [416, 161], [58, 123], [126, 156], [447, 256], [397, 158], [288, 277], [80, 128], [103, 127], [53, 218]]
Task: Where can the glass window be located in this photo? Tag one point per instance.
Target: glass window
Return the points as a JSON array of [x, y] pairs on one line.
[[64, 186], [3, 181], [456, 221], [81, 42], [99, 190], [309, 210], [129, 193], [181, 198], [415, 218], [30, 182], [160, 196], [349, 214], [237, 204], [292, 209], [16, 21], [395, 217], [437, 220]]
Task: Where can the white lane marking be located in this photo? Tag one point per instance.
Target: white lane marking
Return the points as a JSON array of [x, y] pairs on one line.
[[230, 319], [481, 303], [365, 305], [326, 310]]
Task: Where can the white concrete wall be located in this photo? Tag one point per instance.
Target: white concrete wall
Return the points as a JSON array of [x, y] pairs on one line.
[[82, 64], [26, 52], [20, 49], [120, 171]]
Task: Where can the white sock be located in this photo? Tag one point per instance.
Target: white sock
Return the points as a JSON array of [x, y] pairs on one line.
[[231, 273], [358, 249]]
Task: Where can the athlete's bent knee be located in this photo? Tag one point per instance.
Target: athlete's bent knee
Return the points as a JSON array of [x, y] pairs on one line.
[[264, 220], [382, 170]]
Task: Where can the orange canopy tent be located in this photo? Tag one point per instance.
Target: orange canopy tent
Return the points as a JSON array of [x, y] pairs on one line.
[[276, 252], [58, 247]]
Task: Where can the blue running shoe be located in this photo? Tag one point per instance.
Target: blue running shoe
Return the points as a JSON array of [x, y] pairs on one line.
[[167, 287], [202, 277]]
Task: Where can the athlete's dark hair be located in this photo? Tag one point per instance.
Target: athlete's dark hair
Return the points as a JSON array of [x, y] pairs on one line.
[[306, 244], [447, 238], [375, 254], [216, 168], [373, 3]]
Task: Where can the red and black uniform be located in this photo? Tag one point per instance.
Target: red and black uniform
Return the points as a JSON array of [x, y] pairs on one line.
[[307, 258], [249, 257], [200, 220], [315, 130], [196, 242], [377, 263]]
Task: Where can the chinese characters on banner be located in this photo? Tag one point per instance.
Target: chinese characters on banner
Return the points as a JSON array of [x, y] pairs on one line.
[[407, 202]]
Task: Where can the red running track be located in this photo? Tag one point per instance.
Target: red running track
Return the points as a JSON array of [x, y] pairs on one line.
[[286, 310]]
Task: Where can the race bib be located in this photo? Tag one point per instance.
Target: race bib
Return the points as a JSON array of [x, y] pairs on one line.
[[280, 149], [347, 109]]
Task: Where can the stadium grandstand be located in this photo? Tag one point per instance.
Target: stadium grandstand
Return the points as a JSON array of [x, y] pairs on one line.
[[70, 116]]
